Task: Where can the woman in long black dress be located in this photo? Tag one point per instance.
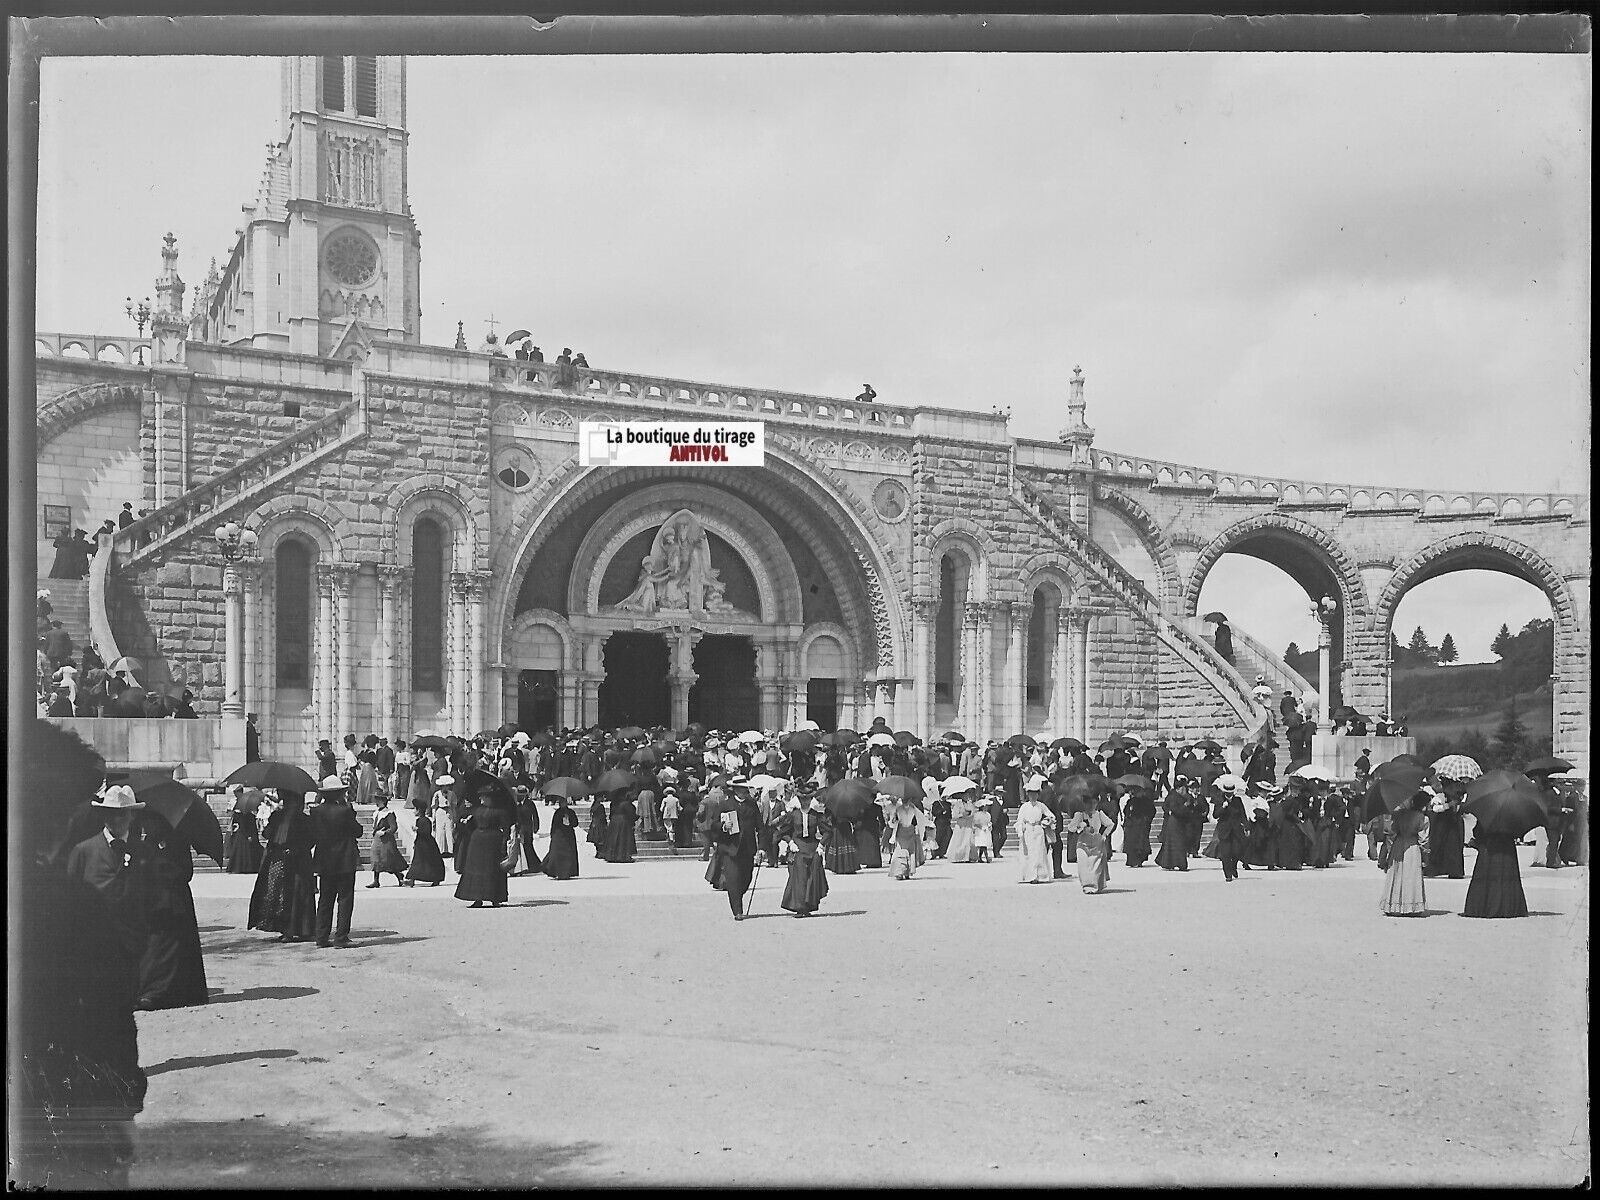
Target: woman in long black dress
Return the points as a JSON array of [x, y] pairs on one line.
[[620, 844], [1174, 852], [1138, 813], [1446, 838], [172, 972], [284, 900], [805, 826], [597, 826], [427, 864], [1232, 842], [561, 859], [482, 866], [244, 840], [386, 856], [1496, 887], [869, 839]]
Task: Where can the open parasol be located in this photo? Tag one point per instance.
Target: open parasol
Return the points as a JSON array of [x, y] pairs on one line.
[[763, 781], [953, 736], [1133, 783], [615, 780], [1544, 766], [957, 785], [1227, 781], [1129, 739], [1081, 791], [800, 740], [1505, 802], [566, 785], [1312, 771], [811, 725], [644, 756], [517, 335], [839, 737], [1214, 617], [752, 736], [1208, 744], [1457, 768], [1021, 741], [901, 787], [1113, 743], [430, 741], [881, 739], [131, 665], [269, 773], [1070, 745], [181, 807], [849, 798], [906, 738]]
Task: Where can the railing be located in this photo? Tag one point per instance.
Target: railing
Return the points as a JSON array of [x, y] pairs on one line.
[[100, 635], [1126, 587], [1426, 503], [1257, 660], [754, 404], [210, 500], [94, 347]]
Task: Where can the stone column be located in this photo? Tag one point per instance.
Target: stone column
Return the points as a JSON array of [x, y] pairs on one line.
[[983, 714], [253, 695], [681, 675], [1062, 670], [1016, 674], [479, 675], [890, 688], [233, 642], [1082, 619], [923, 614], [457, 674], [344, 578], [325, 671], [387, 701]]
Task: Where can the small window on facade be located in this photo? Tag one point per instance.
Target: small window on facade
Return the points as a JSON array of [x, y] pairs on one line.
[[366, 86], [333, 84], [428, 608], [291, 408]]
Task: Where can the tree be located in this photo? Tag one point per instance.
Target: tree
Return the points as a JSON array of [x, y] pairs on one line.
[[1511, 740], [1420, 648], [1447, 650], [1502, 641], [1292, 653]]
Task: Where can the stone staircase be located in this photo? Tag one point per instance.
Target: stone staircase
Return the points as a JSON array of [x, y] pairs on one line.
[[1112, 576], [211, 502], [69, 601], [1251, 658]]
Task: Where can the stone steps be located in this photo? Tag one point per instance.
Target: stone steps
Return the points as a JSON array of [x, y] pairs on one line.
[[69, 602]]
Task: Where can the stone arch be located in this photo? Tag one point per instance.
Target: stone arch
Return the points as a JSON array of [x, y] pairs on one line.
[[1156, 542], [838, 633], [543, 617], [731, 519], [808, 499], [973, 543], [307, 516], [1318, 541], [1477, 550], [438, 496], [55, 416], [1049, 566]]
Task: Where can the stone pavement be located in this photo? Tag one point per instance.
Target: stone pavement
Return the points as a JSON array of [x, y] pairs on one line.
[[958, 1028]]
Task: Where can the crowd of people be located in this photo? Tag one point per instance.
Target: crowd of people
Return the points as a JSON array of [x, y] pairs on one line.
[[74, 682]]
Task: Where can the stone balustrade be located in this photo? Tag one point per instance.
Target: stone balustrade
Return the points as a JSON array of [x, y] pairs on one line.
[[1424, 503], [121, 351]]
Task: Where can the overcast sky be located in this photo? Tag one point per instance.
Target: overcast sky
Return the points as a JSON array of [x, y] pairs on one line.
[[1348, 268]]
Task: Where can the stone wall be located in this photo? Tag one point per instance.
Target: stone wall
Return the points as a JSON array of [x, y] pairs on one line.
[[1189, 706], [91, 468], [1124, 680]]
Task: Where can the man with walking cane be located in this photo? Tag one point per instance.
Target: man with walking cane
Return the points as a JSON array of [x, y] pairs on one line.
[[736, 844]]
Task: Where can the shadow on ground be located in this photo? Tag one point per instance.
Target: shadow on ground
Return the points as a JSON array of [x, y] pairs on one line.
[[218, 996], [215, 1060], [247, 1154], [260, 940]]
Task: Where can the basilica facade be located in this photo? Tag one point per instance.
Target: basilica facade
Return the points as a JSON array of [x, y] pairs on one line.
[[430, 554]]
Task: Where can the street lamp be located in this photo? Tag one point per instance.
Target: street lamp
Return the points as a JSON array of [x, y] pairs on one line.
[[1323, 610], [139, 313], [236, 543]]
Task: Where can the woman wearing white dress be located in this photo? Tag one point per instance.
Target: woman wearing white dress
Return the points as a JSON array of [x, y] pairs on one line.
[[962, 828], [444, 800], [1034, 822], [1093, 829], [905, 823]]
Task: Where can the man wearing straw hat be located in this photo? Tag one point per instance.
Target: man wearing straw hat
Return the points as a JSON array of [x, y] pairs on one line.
[[106, 863], [335, 858]]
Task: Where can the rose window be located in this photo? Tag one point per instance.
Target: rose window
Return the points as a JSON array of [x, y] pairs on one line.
[[351, 258]]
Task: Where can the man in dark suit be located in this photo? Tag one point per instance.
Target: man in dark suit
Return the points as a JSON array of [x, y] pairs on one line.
[[106, 863], [335, 858], [997, 824], [737, 846]]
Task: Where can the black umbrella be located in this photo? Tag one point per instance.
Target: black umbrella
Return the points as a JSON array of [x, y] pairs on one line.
[[517, 335], [1505, 802], [643, 756], [1071, 745], [566, 785], [839, 737], [953, 736], [849, 798], [616, 780], [907, 738], [181, 807], [1398, 782], [268, 773], [630, 733], [480, 787], [1543, 766], [1134, 783], [901, 787], [1215, 617], [430, 741], [1207, 744], [800, 739], [1081, 791], [1021, 741], [1199, 768]]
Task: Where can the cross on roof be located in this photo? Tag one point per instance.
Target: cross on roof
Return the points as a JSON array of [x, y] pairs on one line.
[[491, 323]]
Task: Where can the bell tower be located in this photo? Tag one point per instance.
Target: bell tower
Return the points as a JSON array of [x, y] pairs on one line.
[[328, 260]]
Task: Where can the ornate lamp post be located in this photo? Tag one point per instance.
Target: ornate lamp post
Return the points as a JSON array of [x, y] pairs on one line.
[[236, 543], [139, 313], [1323, 610]]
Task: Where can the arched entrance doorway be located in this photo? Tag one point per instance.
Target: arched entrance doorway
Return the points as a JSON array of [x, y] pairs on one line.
[[634, 690], [725, 695]]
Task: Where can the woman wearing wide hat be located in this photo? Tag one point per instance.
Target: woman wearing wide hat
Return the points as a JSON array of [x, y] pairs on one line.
[[427, 864], [481, 859], [805, 826], [172, 972], [561, 859], [386, 856], [284, 900]]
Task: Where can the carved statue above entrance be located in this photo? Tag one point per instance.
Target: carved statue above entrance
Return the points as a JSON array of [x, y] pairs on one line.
[[677, 575]]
